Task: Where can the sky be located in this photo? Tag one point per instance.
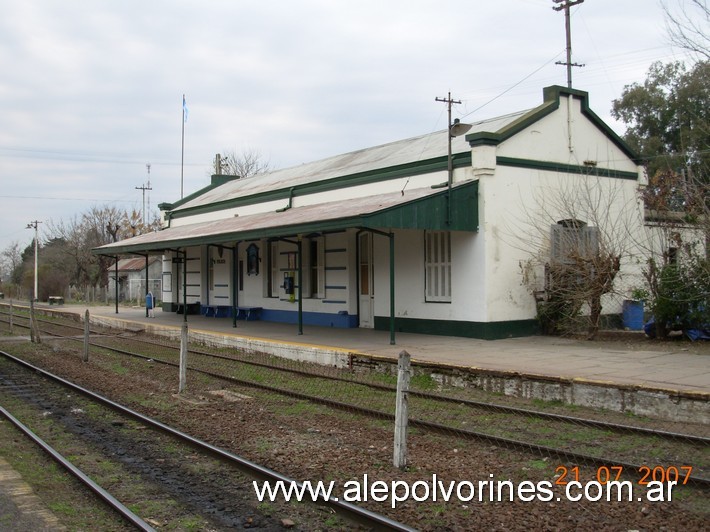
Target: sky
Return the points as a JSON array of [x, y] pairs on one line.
[[91, 91]]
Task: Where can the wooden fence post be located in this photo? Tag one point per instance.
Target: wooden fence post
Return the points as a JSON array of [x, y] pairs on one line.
[[32, 321], [11, 313], [35, 338], [183, 357], [401, 414], [86, 336]]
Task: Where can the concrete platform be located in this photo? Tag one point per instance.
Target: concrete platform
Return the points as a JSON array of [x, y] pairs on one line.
[[20, 508], [675, 367]]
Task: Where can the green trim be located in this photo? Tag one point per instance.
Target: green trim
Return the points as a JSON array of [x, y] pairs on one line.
[[423, 213], [495, 330], [550, 166], [551, 99], [437, 164], [431, 212], [221, 179]]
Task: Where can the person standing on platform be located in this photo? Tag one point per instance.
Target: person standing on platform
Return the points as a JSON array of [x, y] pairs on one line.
[[150, 304]]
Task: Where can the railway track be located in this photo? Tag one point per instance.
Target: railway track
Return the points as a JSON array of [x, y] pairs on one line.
[[10, 381], [284, 380], [125, 513]]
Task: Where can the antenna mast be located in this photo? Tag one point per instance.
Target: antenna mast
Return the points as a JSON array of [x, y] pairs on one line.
[[149, 189], [566, 4]]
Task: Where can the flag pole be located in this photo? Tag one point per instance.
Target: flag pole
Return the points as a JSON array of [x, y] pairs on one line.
[[182, 149]]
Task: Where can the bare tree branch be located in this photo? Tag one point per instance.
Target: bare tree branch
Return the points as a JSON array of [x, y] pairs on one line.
[[248, 163], [689, 27]]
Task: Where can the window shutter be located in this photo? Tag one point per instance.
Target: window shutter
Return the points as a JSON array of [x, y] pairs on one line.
[[437, 265]]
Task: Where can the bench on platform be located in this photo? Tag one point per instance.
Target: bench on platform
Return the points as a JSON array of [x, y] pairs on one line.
[[250, 313], [55, 300], [192, 308], [217, 311]]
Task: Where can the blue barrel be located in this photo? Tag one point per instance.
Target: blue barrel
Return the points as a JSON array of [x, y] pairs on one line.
[[632, 315]]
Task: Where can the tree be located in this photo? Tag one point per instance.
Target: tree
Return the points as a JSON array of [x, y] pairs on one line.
[[75, 238], [688, 26], [55, 269], [246, 164], [11, 262], [576, 233], [668, 118]]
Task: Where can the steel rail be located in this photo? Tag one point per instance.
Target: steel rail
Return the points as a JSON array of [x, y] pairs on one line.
[[429, 425], [604, 425], [440, 428], [351, 511], [100, 492]]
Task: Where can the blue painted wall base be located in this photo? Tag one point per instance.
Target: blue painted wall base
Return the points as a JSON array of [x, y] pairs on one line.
[[321, 319]]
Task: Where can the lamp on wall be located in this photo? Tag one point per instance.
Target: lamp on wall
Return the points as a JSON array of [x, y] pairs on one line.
[[456, 129]]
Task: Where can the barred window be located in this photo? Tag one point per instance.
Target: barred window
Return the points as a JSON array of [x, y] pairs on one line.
[[437, 263], [572, 240]]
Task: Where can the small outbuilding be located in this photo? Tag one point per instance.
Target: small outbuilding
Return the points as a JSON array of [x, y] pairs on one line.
[[130, 273]]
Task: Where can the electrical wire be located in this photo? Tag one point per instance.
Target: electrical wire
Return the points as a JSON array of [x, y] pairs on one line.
[[68, 156], [514, 85]]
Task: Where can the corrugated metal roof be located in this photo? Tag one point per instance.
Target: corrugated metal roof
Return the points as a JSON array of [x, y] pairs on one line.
[[322, 217], [132, 264], [378, 157]]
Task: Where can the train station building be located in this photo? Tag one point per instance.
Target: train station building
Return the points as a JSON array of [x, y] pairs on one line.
[[430, 234]]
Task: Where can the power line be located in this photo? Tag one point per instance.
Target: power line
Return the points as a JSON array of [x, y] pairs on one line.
[[512, 86], [54, 155], [65, 199]]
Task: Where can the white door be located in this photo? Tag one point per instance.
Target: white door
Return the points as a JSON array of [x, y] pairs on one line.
[[366, 281]]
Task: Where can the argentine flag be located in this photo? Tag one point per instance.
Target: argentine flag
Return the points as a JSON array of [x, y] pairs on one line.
[[184, 109]]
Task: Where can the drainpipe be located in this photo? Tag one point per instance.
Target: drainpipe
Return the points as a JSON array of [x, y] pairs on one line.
[[290, 201]]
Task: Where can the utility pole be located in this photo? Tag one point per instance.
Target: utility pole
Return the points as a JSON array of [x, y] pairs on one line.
[[33, 225], [144, 188], [148, 202], [450, 164], [454, 130], [566, 4]]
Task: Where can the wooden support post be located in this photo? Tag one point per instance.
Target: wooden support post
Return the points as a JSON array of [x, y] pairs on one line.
[[401, 414], [35, 338], [86, 336], [183, 357], [32, 320], [11, 313]]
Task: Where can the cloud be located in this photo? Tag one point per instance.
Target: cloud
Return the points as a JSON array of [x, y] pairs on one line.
[[92, 91]]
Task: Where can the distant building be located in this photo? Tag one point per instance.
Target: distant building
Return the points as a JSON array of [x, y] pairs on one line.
[[131, 278], [380, 238]]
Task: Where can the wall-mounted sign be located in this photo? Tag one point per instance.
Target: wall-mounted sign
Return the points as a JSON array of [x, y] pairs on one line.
[[253, 259]]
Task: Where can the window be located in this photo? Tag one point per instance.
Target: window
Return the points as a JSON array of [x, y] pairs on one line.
[[314, 268], [437, 264], [572, 240]]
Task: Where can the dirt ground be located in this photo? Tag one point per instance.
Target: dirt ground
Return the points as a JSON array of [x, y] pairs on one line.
[[311, 442]]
